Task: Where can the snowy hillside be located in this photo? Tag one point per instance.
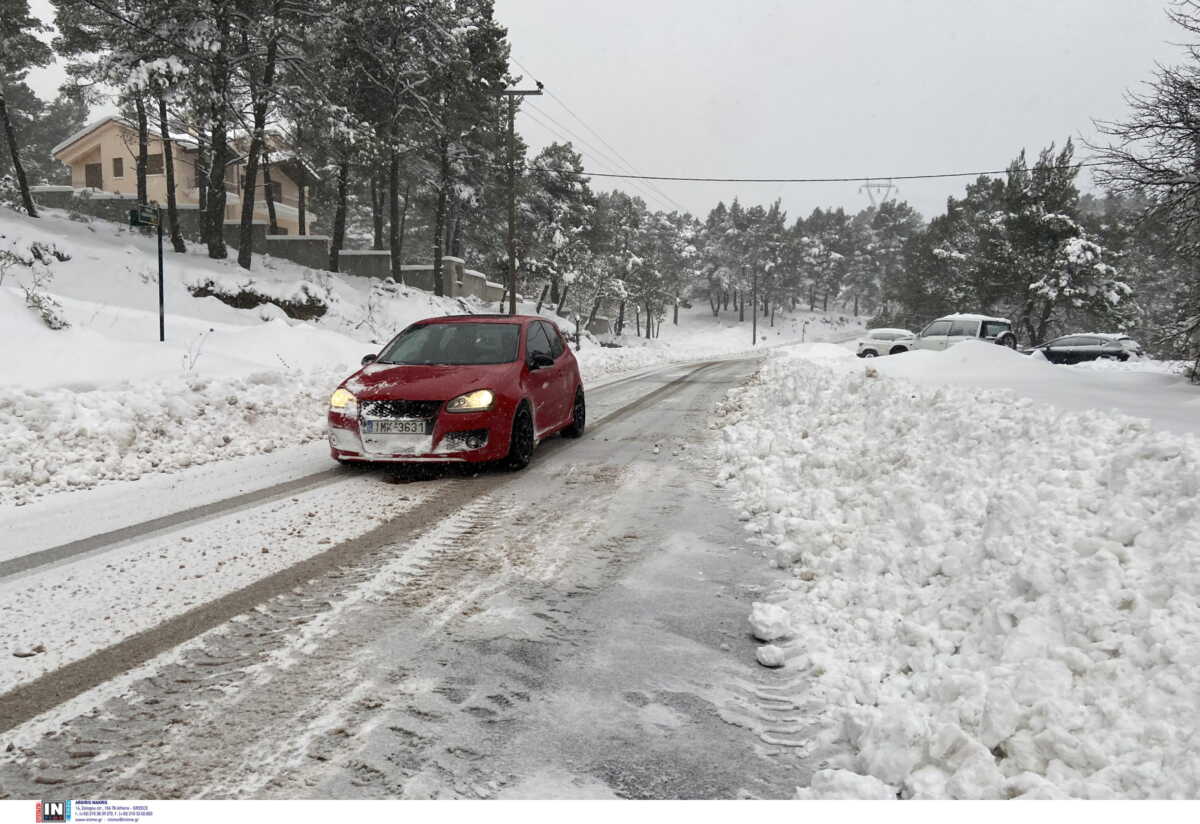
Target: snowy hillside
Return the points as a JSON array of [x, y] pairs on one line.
[[987, 596], [103, 399]]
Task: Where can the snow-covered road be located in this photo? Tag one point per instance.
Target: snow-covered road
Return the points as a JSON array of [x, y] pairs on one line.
[[575, 629]]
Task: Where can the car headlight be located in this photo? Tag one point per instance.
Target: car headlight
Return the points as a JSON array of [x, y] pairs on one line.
[[343, 401], [477, 401]]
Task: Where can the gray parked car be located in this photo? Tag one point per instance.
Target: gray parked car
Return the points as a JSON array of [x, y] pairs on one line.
[[951, 329], [1085, 347]]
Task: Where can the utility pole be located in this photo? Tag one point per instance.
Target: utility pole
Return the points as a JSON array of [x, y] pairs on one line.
[[512, 95]]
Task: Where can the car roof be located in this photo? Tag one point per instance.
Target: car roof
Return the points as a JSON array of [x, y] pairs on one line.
[[482, 319], [969, 316], [1109, 338]]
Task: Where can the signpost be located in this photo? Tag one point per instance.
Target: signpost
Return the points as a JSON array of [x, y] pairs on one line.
[[147, 215]]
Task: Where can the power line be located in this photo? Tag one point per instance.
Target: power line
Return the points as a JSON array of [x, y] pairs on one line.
[[653, 190], [641, 187], [621, 161], [850, 179], [569, 136]]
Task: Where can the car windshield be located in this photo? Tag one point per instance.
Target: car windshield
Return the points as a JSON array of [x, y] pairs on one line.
[[453, 344]]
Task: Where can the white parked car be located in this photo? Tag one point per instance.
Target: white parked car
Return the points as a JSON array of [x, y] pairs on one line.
[[951, 329], [878, 342]]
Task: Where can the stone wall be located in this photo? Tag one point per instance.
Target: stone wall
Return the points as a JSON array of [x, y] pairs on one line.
[[473, 285], [419, 275], [104, 205], [368, 263], [477, 285], [258, 236], [493, 291], [307, 250]]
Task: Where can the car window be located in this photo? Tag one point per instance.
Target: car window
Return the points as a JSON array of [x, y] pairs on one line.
[[1071, 340], [964, 328], [938, 327], [537, 343], [453, 344], [556, 344], [993, 328]]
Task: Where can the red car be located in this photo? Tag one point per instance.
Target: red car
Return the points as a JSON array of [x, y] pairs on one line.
[[461, 388]]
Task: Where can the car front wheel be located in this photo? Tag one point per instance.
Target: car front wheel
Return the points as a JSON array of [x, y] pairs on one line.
[[520, 444], [868, 354]]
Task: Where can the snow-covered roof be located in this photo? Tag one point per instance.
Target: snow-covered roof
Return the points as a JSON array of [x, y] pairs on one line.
[[182, 139], [889, 329], [969, 316]]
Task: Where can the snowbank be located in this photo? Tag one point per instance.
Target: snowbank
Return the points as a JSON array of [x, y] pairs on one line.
[[988, 599], [57, 439]]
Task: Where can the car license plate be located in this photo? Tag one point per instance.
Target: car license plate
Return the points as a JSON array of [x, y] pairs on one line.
[[399, 426]]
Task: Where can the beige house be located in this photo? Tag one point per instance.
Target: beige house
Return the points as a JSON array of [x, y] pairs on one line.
[[103, 156]]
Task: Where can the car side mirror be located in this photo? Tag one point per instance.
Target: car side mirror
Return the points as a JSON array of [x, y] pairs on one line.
[[540, 360], [369, 359]]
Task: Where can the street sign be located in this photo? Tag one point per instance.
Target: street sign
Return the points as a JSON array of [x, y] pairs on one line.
[[143, 215]]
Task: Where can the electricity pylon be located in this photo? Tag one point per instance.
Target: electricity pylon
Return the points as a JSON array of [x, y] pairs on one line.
[[888, 190]]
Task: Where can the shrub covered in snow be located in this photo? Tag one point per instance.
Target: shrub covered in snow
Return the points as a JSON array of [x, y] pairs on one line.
[[988, 600], [303, 300]]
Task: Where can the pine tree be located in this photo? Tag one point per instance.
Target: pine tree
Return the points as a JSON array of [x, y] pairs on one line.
[[20, 50]]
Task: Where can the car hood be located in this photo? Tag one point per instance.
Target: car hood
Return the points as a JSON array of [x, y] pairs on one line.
[[382, 381]]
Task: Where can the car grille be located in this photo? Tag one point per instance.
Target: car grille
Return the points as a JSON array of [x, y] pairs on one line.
[[400, 409]]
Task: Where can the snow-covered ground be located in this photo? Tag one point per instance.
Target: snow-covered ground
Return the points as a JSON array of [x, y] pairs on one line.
[[104, 400], [988, 596]]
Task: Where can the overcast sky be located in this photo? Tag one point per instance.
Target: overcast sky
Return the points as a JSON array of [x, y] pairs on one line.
[[836, 88]]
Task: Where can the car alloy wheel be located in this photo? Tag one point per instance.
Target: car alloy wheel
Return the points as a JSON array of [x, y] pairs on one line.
[[520, 445], [868, 354], [578, 416]]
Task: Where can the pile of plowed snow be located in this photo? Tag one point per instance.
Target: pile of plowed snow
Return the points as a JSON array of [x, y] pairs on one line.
[[989, 598]]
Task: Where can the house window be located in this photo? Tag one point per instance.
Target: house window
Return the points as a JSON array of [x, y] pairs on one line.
[[118, 167], [276, 191], [154, 164]]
